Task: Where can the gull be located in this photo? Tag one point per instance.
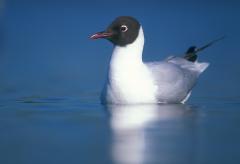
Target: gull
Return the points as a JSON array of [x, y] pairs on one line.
[[132, 81]]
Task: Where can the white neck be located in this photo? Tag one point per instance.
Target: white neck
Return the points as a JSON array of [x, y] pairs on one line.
[[129, 80], [129, 55]]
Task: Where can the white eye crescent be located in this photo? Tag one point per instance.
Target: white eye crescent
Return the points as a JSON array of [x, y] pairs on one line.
[[124, 28]]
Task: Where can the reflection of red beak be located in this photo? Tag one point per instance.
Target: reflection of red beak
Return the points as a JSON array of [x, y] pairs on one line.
[[101, 35]]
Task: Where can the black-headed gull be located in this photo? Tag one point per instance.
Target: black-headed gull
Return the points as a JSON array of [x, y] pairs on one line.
[[132, 81]]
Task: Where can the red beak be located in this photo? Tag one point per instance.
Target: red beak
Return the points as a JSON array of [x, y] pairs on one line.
[[101, 35]]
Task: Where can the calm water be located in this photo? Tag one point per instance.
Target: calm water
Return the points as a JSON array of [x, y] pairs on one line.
[[51, 75], [80, 130]]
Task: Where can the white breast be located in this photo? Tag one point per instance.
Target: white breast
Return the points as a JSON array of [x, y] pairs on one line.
[[129, 80]]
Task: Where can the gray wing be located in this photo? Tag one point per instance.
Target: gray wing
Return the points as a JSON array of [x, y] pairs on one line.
[[175, 77]]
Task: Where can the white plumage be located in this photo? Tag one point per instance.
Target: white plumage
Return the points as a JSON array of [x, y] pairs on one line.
[[131, 81]]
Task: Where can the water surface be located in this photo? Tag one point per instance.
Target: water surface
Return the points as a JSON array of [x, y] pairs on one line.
[[79, 130]]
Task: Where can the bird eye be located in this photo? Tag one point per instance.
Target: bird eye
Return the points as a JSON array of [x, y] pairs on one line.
[[124, 28]]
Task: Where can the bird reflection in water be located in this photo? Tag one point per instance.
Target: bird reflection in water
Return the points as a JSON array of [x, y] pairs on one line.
[[133, 128]]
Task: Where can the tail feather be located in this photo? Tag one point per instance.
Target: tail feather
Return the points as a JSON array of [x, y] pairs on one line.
[[191, 53]]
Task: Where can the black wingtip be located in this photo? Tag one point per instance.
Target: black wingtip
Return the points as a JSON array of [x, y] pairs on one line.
[[191, 53], [191, 49]]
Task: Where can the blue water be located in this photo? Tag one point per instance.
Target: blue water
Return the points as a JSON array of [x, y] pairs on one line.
[[80, 130], [52, 74]]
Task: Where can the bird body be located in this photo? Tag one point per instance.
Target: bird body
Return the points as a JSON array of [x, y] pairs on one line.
[[131, 81]]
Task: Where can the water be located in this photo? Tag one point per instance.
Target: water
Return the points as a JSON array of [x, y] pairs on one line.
[[52, 74], [79, 130]]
